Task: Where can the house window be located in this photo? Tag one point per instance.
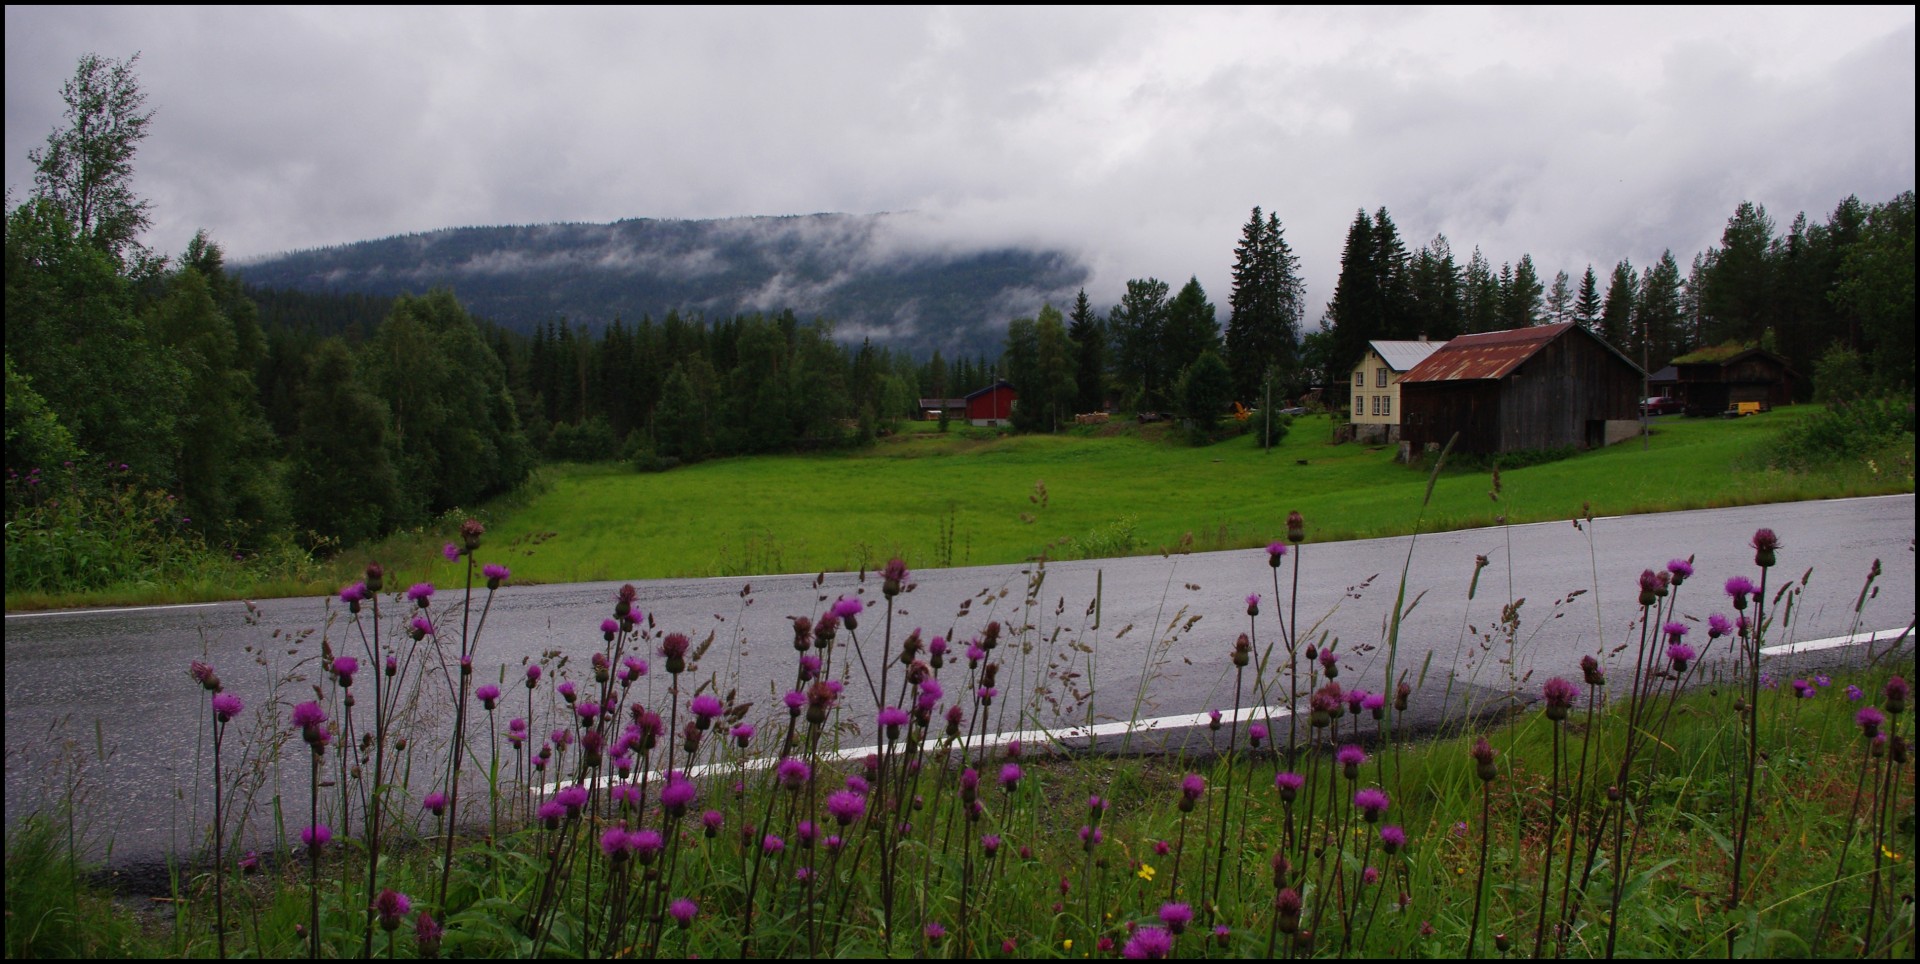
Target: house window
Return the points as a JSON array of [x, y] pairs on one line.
[[1376, 404], [1380, 378], [1360, 378], [1386, 405]]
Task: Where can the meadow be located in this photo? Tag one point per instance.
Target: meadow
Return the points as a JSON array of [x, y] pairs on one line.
[[978, 497], [1672, 794]]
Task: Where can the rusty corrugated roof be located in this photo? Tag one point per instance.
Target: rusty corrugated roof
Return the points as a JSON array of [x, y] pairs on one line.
[[1489, 354]]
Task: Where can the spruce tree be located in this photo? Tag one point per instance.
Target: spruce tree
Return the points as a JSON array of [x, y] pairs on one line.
[[1263, 327]]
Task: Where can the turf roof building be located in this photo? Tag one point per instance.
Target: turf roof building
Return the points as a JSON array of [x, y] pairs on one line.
[[1376, 387], [1547, 387], [1717, 379]]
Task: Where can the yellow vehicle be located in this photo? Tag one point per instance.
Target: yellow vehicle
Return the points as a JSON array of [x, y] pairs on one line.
[[1746, 408]]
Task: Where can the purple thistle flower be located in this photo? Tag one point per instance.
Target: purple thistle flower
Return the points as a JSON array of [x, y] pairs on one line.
[[1649, 585], [615, 843], [1090, 836], [990, 843], [609, 627], [974, 653], [1213, 719], [846, 806], [309, 715], [316, 837], [792, 773], [705, 707], [1392, 838], [495, 572], [1375, 703], [567, 690], [1674, 631], [420, 592], [1176, 917], [646, 844], [354, 593], [683, 911], [711, 821], [421, 625], [587, 709], [1253, 604], [809, 666], [1896, 694], [772, 844], [1192, 786], [1718, 626], [1740, 587], [858, 784], [451, 551], [427, 934], [572, 798], [934, 931], [742, 734], [1681, 570], [847, 606], [893, 718], [1289, 785], [1010, 777], [1350, 756], [488, 695], [1256, 733], [1148, 944], [226, 706], [625, 794], [1371, 802], [1276, 550], [1802, 689], [1681, 654], [1559, 695], [677, 796], [1370, 876], [391, 906], [435, 803], [1869, 720]]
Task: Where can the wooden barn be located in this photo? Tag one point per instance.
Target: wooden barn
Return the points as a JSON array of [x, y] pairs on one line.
[[1715, 380], [1546, 387], [992, 405]]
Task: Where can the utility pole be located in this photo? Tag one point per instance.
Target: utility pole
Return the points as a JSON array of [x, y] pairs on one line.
[[1646, 385]]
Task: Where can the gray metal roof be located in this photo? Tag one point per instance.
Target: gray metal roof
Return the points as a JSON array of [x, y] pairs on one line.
[[1402, 355]]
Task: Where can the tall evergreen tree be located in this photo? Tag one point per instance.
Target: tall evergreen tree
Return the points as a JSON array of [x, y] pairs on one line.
[[1586, 305], [1521, 294], [1560, 299], [1481, 295], [1354, 312], [1263, 328], [1738, 294], [1438, 291], [1138, 325], [1191, 327], [1657, 311], [1616, 316], [1089, 370]]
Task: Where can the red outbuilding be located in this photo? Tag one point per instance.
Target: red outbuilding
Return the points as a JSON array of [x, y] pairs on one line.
[[992, 405]]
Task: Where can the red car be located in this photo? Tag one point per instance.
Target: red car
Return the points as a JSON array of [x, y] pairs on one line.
[[1663, 405]]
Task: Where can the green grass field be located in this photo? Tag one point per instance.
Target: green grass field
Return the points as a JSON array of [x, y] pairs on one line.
[[965, 499]]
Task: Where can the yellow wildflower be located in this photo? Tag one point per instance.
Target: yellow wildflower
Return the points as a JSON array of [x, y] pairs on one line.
[[1067, 944], [1146, 872]]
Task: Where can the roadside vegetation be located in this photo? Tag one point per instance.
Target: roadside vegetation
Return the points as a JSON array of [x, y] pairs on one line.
[[1673, 794]]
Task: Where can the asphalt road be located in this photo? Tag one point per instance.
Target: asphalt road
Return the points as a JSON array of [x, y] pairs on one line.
[[81, 683]]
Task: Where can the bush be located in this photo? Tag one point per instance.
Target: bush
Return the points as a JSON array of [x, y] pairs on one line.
[[649, 461], [589, 441], [1847, 431]]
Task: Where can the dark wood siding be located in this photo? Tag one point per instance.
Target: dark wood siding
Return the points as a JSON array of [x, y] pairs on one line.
[[1553, 399], [1549, 400]]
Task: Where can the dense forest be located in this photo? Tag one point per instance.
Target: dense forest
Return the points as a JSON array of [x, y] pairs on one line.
[[157, 400]]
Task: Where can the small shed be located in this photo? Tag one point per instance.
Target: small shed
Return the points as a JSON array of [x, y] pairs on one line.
[[932, 408], [1714, 380], [992, 405], [1376, 387], [1545, 387]]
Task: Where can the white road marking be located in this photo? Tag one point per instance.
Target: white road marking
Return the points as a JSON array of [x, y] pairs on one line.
[[1227, 717], [1834, 642], [103, 612]]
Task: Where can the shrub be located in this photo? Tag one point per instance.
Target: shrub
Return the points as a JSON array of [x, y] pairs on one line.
[[1847, 431]]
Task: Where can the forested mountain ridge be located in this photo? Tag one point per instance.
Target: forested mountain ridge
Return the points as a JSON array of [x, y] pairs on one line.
[[873, 275]]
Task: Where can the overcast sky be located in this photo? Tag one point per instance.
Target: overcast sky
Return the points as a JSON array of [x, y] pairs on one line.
[[1137, 138]]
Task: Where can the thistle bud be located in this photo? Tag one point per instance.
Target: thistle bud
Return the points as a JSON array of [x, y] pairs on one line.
[[1296, 528], [376, 577]]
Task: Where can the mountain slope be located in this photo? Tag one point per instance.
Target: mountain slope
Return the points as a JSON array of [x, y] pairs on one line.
[[879, 276]]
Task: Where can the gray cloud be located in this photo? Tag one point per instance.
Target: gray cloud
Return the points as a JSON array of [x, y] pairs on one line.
[[1138, 139]]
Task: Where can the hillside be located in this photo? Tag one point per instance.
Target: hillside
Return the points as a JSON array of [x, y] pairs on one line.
[[876, 276]]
